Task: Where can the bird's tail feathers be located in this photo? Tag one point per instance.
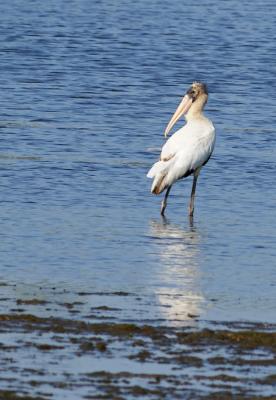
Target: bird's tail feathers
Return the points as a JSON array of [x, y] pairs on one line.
[[159, 183], [155, 169], [159, 172]]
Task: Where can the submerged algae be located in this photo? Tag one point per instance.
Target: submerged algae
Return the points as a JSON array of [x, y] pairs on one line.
[[127, 360], [243, 339], [11, 395]]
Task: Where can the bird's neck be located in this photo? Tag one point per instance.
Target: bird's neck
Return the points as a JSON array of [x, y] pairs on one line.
[[196, 110]]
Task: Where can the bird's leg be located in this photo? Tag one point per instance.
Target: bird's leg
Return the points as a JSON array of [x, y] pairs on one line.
[[164, 202], [192, 201]]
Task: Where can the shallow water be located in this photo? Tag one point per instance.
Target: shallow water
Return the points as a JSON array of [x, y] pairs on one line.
[[86, 91]]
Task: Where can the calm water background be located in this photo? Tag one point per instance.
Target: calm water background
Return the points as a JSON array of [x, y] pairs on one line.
[[87, 88]]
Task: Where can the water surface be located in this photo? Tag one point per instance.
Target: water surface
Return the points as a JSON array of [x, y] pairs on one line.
[[86, 91]]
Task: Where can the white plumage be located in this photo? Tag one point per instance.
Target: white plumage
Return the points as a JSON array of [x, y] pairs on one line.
[[188, 149]]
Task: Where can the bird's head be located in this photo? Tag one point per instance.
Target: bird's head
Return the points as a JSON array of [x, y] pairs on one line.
[[195, 98]]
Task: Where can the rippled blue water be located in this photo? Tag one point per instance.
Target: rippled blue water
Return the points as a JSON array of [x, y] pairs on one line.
[[87, 88]]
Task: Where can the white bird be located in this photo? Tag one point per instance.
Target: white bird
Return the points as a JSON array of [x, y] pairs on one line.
[[188, 149]]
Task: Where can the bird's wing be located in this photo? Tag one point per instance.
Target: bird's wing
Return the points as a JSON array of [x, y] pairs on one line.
[[173, 144], [184, 152], [196, 153]]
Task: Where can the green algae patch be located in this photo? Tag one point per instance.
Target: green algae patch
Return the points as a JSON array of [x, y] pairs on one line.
[[220, 377], [101, 346], [240, 361], [268, 380], [31, 302], [31, 322], [10, 395], [161, 362], [125, 330], [87, 346], [242, 339], [142, 356], [192, 361], [48, 347], [105, 308], [23, 318], [219, 395]]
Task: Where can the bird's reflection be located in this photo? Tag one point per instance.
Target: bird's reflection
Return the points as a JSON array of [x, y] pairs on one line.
[[178, 290]]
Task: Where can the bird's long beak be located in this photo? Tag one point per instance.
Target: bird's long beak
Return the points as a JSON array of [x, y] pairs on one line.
[[183, 108]]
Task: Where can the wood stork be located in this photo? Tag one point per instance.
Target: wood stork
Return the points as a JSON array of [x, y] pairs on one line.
[[188, 149]]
